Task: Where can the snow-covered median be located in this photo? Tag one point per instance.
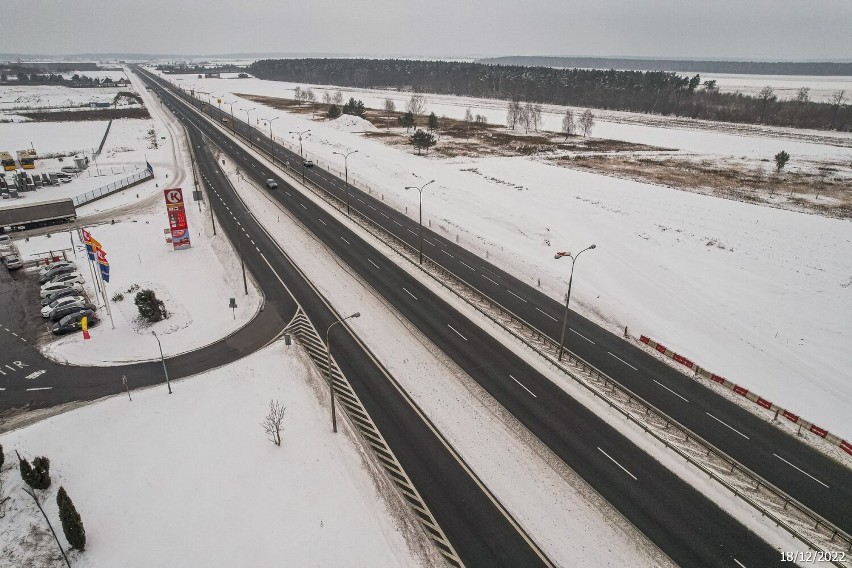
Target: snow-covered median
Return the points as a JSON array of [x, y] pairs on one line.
[[190, 480]]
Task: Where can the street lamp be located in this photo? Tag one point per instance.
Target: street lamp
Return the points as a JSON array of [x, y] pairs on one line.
[[328, 365], [568, 296], [346, 166], [300, 140], [248, 125], [271, 142], [240, 248], [233, 125], [420, 208], [163, 359]]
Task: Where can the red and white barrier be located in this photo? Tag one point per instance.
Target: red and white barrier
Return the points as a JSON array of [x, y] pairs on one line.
[[742, 391]]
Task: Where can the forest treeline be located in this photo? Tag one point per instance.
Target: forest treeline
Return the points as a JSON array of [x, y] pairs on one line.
[[822, 68], [656, 92]]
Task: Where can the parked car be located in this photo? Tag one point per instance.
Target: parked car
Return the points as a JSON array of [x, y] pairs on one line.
[[63, 177], [12, 261], [271, 184], [52, 287], [69, 169], [71, 323], [67, 277], [44, 269], [308, 163], [5, 242], [58, 313], [64, 300], [63, 293], [55, 271]]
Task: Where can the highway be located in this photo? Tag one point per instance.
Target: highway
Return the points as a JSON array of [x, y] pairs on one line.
[[685, 524], [807, 475]]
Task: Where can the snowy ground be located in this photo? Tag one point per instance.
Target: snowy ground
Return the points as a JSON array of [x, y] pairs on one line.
[[786, 86], [723, 282], [190, 479], [32, 97]]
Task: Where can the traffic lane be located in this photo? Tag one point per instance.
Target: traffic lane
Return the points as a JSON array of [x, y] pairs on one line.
[[705, 424]]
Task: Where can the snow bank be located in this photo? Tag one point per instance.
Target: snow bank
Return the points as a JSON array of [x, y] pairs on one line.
[[350, 123]]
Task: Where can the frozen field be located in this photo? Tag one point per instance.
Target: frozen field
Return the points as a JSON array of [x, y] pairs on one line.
[[786, 86], [25, 97], [756, 294]]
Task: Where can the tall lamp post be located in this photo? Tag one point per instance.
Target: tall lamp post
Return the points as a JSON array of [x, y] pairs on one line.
[[271, 142], [163, 359], [346, 167], [420, 209], [300, 140], [240, 248], [248, 125], [233, 125], [568, 296], [328, 366]]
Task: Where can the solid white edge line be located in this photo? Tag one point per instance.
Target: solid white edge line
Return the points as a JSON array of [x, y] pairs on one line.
[[620, 359], [727, 426], [523, 387], [670, 390], [457, 333], [618, 464], [800, 469]]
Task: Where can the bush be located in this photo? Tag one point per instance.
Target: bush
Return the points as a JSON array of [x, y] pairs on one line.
[[132, 289], [36, 475], [333, 112], [2, 458], [117, 297], [72, 524], [150, 308]]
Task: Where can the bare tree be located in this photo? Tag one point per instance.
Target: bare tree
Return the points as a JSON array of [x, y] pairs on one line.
[[480, 119], [587, 122], [338, 98], [417, 105], [803, 95], [524, 116], [837, 99], [272, 422], [468, 115], [765, 96], [326, 97], [389, 108], [533, 115], [513, 113], [297, 93], [310, 95], [568, 125]]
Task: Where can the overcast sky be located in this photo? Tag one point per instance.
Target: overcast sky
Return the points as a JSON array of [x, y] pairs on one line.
[[753, 29]]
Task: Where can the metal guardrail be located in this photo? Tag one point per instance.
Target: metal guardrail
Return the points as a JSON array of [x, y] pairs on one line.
[[828, 534], [831, 538], [301, 327], [124, 183]]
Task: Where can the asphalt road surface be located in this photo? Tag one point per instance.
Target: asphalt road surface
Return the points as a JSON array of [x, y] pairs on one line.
[[807, 475], [685, 524]]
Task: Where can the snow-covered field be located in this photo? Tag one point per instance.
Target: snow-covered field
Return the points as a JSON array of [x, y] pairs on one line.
[[755, 294], [785, 86], [25, 97], [190, 480]]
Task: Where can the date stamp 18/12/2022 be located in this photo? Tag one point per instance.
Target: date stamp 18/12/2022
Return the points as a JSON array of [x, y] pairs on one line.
[[813, 556]]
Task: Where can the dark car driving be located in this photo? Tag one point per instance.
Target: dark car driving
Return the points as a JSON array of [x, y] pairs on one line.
[[71, 323]]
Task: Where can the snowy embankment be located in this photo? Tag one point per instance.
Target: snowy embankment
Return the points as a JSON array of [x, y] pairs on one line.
[[756, 294], [190, 480]]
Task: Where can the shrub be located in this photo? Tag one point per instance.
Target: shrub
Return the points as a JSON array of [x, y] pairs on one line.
[[72, 524], [36, 475], [150, 308], [333, 112], [117, 297]]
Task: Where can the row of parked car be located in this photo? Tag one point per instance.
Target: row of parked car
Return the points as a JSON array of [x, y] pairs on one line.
[[62, 298], [9, 253]]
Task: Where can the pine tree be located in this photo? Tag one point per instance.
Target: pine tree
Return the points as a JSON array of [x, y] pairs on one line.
[[433, 122], [781, 159], [333, 112], [421, 139], [2, 456], [72, 524], [41, 473], [407, 120], [26, 470]]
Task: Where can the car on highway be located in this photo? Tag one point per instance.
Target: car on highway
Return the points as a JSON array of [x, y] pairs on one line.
[[58, 313], [63, 293], [271, 184], [66, 277], [55, 270], [71, 323], [12, 261], [308, 163], [44, 269], [52, 287], [59, 302]]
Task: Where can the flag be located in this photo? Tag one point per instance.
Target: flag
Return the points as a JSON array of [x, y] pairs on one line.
[[560, 254], [84, 325], [92, 247], [104, 264]]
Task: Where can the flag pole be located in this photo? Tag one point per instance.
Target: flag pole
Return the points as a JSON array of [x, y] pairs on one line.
[[106, 300], [88, 258]]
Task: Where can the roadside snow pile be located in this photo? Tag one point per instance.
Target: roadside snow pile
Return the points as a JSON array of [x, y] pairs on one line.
[[191, 480], [350, 123]]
